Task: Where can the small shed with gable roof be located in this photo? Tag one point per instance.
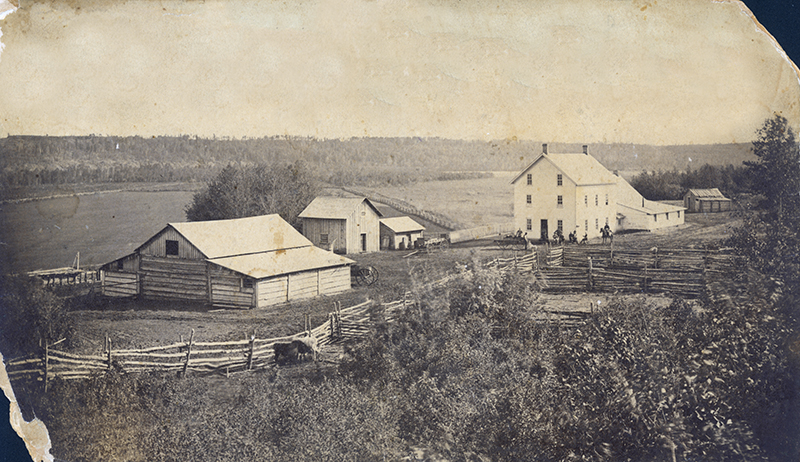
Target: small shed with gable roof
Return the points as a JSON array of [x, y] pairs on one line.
[[400, 232], [706, 200], [242, 263]]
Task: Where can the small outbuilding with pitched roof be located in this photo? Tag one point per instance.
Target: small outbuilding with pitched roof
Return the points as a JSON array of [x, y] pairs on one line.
[[706, 200], [400, 233], [243, 263], [342, 224]]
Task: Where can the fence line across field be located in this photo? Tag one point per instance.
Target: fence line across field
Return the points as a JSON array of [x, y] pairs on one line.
[[682, 272]]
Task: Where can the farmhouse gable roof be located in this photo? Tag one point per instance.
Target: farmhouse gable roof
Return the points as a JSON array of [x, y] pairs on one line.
[[402, 224], [225, 238], [581, 169], [335, 207]]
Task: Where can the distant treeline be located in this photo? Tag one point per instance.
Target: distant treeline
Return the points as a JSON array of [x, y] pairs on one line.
[[730, 180], [41, 160], [33, 161]]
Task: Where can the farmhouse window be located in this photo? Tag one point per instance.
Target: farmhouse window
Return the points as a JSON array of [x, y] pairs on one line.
[[606, 199], [596, 202], [528, 199], [667, 216], [586, 200], [529, 224], [323, 239], [655, 217], [560, 179], [561, 226], [172, 247], [560, 201], [679, 213], [586, 225], [596, 223], [530, 179], [120, 265]]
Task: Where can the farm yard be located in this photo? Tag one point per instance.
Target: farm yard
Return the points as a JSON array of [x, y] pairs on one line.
[[282, 404]]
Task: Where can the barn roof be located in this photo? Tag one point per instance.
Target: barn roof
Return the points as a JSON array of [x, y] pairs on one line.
[[712, 193], [267, 264], [402, 224], [335, 207], [224, 238], [582, 169]]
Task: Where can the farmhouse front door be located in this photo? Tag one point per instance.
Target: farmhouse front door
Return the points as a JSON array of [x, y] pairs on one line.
[[544, 233]]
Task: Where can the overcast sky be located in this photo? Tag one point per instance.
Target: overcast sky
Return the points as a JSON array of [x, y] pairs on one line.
[[660, 72]]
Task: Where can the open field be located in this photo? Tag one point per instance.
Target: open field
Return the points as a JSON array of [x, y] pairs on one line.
[[471, 203], [47, 233]]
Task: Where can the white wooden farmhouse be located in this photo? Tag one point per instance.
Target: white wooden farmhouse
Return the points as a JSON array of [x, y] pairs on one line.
[[574, 192], [244, 263]]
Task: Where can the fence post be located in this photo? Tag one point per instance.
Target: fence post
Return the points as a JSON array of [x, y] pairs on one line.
[[188, 353], [591, 282], [252, 349], [108, 352], [46, 365]]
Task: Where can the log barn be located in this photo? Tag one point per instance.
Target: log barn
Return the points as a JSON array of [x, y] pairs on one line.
[[342, 224], [242, 263], [400, 233], [706, 200]]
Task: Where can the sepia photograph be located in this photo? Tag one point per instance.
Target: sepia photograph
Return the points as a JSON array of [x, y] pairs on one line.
[[420, 230]]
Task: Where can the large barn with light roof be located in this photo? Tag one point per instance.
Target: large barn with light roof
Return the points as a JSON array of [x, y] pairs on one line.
[[241, 263]]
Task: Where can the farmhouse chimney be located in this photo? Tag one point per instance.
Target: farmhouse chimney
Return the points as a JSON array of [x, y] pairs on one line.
[[616, 172], [544, 148], [586, 149]]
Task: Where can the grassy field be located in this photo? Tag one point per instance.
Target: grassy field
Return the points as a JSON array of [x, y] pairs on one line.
[[47, 233], [471, 203]]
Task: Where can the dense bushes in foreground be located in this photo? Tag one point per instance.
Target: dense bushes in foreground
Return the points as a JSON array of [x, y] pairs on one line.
[[471, 375]]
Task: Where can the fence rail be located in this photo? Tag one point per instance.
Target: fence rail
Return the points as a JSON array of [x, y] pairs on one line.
[[405, 207], [193, 356], [682, 272]]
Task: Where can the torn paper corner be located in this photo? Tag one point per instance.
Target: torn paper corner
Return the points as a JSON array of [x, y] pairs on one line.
[[7, 8], [34, 433]]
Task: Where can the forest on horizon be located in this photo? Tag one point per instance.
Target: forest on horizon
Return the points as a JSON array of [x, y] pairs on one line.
[[41, 160]]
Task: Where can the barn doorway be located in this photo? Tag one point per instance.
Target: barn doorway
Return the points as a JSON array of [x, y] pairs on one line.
[[544, 234], [363, 242]]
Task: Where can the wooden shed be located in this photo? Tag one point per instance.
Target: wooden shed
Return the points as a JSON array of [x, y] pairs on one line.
[[244, 263], [342, 224], [399, 233], [706, 200]]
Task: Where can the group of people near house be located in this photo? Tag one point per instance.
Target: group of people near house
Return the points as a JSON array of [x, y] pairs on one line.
[[605, 232]]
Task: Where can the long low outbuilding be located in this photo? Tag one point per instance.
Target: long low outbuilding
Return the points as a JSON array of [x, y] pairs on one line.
[[241, 263]]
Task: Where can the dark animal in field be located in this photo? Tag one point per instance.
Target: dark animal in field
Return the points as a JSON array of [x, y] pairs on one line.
[[285, 353], [296, 350]]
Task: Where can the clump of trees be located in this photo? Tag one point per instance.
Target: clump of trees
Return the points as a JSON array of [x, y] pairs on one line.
[[245, 191], [30, 316], [672, 185]]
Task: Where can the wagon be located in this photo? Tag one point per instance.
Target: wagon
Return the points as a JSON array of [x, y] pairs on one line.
[[363, 275], [512, 242], [434, 244]]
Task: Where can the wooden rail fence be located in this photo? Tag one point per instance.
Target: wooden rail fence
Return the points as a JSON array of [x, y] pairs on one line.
[[193, 356], [682, 272], [405, 207]]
